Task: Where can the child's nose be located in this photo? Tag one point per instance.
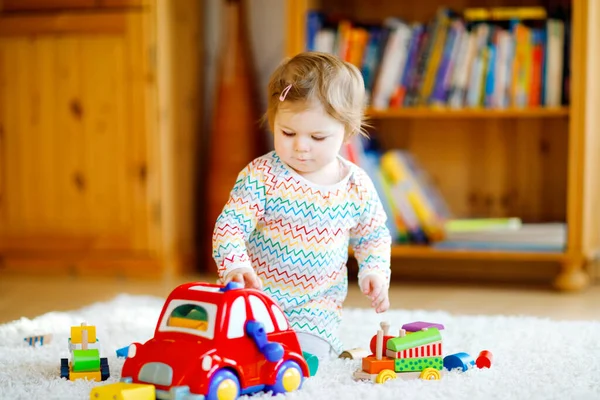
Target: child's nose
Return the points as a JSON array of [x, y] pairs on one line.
[[301, 145]]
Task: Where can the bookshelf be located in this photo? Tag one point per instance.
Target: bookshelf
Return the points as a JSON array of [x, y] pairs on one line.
[[426, 113], [536, 163]]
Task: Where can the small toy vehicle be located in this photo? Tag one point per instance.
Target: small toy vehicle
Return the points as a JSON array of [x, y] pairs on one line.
[[85, 361], [415, 353], [218, 342]]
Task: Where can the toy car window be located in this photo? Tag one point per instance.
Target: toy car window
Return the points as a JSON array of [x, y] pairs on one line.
[[187, 316], [190, 316], [279, 317], [261, 314], [237, 319]]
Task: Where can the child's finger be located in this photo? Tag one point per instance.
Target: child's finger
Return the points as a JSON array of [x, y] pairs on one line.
[[384, 305], [238, 277], [252, 280], [366, 287], [376, 292], [376, 300]]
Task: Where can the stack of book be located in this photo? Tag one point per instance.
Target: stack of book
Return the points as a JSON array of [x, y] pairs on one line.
[[493, 58], [417, 213], [504, 234], [416, 210]]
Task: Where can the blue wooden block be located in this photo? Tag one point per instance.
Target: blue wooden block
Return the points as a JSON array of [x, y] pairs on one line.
[[458, 360], [122, 352]]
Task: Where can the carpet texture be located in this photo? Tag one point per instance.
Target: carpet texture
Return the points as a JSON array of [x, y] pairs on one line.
[[533, 358]]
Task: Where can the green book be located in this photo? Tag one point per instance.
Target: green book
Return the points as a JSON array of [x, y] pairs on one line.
[[482, 224]]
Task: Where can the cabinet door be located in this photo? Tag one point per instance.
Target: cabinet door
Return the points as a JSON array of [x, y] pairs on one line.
[[73, 132]]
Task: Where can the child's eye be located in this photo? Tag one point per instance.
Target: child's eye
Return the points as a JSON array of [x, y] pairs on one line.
[[287, 133], [319, 138]]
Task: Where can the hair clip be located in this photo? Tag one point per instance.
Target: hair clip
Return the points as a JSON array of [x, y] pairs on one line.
[[284, 92]]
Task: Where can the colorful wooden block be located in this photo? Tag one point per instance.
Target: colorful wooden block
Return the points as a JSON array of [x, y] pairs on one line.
[[462, 361], [372, 365], [86, 360], [420, 325], [427, 350], [89, 375], [123, 391], [484, 360], [77, 333], [38, 340], [123, 351], [416, 339], [417, 364], [355, 354]]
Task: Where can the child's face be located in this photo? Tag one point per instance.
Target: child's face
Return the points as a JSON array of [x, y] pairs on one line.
[[307, 138]]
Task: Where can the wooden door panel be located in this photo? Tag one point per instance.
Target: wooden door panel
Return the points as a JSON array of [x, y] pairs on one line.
[[71, 155]]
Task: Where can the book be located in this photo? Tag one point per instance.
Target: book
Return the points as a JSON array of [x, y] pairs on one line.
[[481, 224]]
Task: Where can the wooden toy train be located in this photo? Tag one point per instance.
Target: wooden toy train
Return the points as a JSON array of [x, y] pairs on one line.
[[415, 353]]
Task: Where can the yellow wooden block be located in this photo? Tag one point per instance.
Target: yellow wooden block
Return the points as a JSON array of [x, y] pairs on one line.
[[77, 333], [123, 391], [90, 375]]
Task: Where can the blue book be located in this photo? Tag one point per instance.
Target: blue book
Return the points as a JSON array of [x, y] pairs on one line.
[[314, 23]]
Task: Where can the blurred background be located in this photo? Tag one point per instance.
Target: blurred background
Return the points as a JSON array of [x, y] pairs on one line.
[[124, 123]]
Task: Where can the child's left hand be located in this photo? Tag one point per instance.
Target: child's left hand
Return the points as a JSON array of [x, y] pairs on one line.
[[376, 289]]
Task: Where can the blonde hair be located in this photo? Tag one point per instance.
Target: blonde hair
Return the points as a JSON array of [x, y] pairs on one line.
[[322, 77]]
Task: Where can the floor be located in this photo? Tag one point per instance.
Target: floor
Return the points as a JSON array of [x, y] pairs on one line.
[[29, 297]]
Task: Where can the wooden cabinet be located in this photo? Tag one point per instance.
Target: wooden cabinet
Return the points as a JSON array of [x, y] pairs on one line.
[[538, 164], [98, 131]]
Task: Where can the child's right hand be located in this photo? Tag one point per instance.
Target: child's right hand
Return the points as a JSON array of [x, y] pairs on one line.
[[245, 276]]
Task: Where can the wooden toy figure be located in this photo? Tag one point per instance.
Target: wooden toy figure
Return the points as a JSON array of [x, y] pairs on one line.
[[85, 361]]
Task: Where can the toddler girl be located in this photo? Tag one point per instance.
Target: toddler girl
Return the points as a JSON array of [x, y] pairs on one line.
[[293, 213]]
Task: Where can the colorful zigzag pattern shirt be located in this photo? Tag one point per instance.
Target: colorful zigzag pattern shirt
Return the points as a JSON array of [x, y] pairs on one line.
[[295, 234]]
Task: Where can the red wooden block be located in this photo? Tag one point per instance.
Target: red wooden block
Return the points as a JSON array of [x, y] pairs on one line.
[[484, 360], [373, 344]]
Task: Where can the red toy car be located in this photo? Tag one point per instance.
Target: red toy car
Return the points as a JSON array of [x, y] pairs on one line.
[[218, 342]]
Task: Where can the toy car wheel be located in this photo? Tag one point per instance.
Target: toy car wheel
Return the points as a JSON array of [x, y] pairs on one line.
[[289, 378], [385, 375], [224, 385], [430, 374]]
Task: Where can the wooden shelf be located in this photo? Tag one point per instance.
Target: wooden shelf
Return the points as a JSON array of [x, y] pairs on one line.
[[424, 112], [426, 252]]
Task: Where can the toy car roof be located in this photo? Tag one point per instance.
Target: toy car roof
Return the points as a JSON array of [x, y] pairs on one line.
[[207, 291]]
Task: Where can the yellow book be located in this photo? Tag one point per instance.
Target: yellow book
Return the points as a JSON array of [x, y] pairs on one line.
[[435, 55], [504, 13], [398, 173]]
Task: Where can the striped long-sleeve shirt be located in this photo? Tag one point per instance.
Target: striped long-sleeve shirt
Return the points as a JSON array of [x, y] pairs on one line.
[[295, 234]]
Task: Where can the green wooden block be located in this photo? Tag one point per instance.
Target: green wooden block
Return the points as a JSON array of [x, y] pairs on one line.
[[86, 360], [415, 339], [417, 364]]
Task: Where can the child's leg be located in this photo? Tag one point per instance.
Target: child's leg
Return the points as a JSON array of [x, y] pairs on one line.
[[316, 346]]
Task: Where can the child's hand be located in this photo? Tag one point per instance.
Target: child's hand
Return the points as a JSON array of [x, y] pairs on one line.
[[376, 289], [246, 276]]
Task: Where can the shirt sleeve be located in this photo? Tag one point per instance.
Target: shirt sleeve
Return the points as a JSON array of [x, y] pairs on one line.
[[238, 220], [370, 238]]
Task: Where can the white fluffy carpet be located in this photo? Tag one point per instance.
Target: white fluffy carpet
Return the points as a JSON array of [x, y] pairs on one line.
[[533, 358]]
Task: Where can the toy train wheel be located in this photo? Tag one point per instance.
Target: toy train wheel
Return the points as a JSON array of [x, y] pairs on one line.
[[104, 369], [385, 375], [430, 374], [64, 368]]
